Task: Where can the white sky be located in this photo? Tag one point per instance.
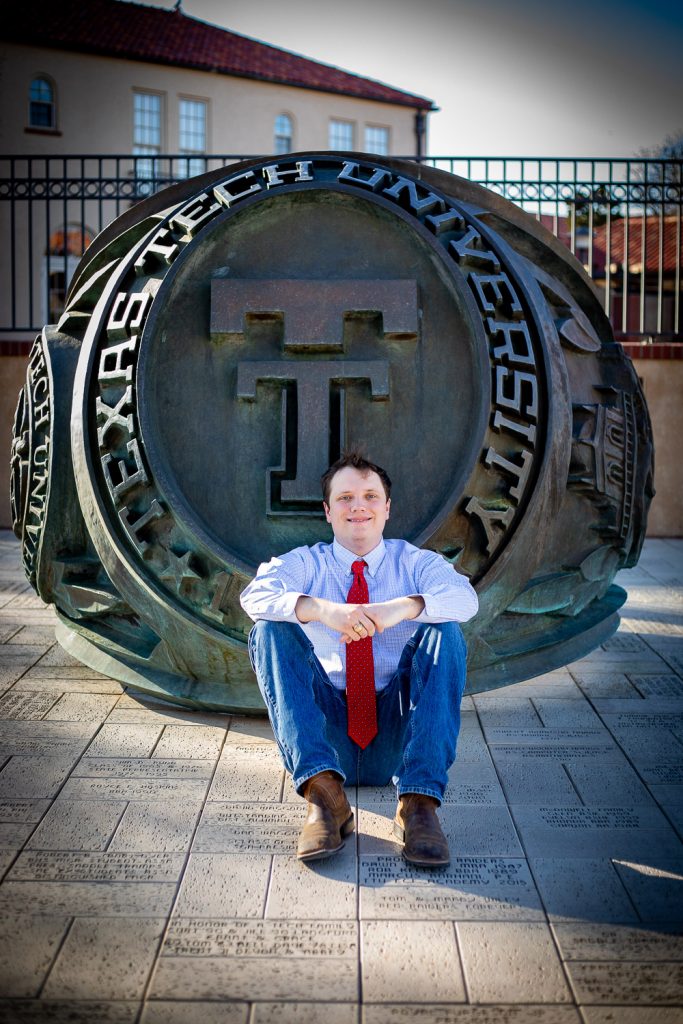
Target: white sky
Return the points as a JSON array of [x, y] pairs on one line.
[[512, 77]]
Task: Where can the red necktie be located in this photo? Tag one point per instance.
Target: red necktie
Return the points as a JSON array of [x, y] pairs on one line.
[[361, 701]]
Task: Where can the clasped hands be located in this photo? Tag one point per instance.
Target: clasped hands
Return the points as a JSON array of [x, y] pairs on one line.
[[358, 621]]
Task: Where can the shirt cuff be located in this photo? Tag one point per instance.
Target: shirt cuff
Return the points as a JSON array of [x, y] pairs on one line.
[[430, 612]]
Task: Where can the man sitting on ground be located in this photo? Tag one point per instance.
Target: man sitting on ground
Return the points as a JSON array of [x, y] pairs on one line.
[[361, 663]]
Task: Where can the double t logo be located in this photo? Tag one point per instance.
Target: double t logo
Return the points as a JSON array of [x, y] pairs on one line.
[[313, 314]]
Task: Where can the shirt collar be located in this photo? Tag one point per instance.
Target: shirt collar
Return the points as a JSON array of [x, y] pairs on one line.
[[346, 558]]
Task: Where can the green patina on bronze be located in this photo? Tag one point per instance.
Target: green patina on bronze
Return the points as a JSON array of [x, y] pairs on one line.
[[224, 339]]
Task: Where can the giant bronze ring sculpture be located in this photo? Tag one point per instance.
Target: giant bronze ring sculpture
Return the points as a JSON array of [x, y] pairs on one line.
[[224, 339]]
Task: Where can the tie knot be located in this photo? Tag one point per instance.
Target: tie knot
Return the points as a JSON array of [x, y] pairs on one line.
[[358, 567]]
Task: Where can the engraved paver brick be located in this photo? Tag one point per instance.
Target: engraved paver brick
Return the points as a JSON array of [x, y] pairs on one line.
[[546, 737], [605, 789], [197, 1012], [582, 888], [28, 946], [82, 707], [77, 825], [550, 684], [258, 959], [511, 963], [143, 768], [96, 866], [43, 636], [195, 741], [585, 941], [124, 741], [655, 888], [26, 706], [109, 958], [648, 983], [34, 776], [31, 682], [134, 789], [523, 783], [507, 712], [44, 737], [161, 825], [114, 899], [556, 713], [659, 686], [415, 962], [606, 684], [13, 835], [247, 773], [442, 1014], [595, 831], [472, 888], [631, 1014], [222, 885], [23, 810], [328, 892]]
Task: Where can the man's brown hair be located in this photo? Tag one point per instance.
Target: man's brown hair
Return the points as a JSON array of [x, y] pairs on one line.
[[356, 460]]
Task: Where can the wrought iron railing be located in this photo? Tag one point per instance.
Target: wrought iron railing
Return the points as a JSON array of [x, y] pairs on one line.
[[621, 218]]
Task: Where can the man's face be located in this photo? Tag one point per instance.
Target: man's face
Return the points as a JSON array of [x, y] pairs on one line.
[[358, 509]]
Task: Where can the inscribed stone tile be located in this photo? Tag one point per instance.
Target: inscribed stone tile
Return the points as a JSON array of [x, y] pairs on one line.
[[249, 730], [32, 682], [651, 984], [512, 962], [659, 686], [27, 948], [124, 741], [624, 642], [435, 1014], [44, 737], [592, 738], [585, 941], [134, 789], [254, 978], [410, 961], [81, 866], [44, 1011], [143, 768], [524, 784], [631, 1014], [666, 774], [222, 885], [212, 937], [472, 888], [550, 684], [606, 684], [471, 831], [106, 958], [595, 831], [655, 884], [82, 707], [556, 713], [77, 825], [249, 828], [177, 1012], [165, 825], [305, 1013], [23, 810], [14, 834], [114, 899], [324, 892], [195, 741], [34, 635], [643, 745], [144, 709], [582, 888], [26, 706], [507, 712], [34, 777]]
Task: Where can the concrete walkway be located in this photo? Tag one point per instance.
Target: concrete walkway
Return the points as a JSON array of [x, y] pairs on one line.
[[147, 853]]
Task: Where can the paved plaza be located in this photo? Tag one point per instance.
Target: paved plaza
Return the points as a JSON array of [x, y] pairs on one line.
[[146, 852]]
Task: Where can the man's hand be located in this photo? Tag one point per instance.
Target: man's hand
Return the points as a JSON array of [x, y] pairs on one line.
[[386, 614], [358, 621], [351, 620]]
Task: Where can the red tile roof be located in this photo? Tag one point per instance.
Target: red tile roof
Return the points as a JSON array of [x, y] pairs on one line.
[[671, 239], [136, 32]]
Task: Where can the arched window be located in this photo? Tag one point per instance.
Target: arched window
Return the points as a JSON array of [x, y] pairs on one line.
[[41, 106], [283, 134]]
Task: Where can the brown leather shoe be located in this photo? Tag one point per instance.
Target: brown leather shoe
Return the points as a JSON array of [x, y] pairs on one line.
[[417, 826], [329, 818]]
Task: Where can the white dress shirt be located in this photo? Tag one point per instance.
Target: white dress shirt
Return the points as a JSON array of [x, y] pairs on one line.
[[394, 569]]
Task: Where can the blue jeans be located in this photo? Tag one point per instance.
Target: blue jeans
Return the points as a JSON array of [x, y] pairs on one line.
[[418, 713]]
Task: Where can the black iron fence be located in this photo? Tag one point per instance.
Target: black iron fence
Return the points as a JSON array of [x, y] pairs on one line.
[[621, 218]]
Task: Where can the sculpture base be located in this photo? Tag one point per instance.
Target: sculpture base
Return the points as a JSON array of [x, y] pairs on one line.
[[514, 660]]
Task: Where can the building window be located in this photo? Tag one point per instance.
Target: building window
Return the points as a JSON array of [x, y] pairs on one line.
[[341, 135], [376, 140], [192, 136], [283, 134], [41, 107], [146, 139]]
